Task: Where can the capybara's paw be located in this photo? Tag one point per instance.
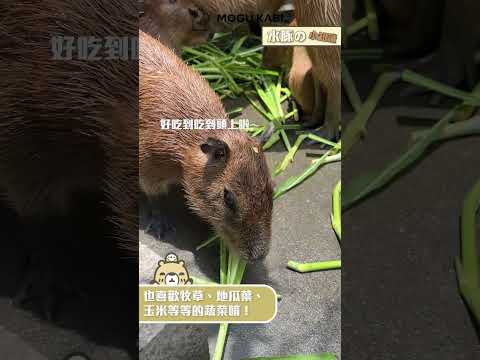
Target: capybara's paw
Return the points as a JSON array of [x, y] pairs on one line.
[[329, 133], [45, 284]]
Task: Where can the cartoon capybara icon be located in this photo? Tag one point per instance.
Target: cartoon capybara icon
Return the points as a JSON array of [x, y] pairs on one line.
[[171, 272]]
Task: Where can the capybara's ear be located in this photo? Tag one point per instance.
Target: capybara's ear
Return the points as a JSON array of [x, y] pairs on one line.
[[217, 150], [181, 262], [161, 262]]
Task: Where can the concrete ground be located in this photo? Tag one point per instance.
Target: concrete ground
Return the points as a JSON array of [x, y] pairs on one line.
[[400, 292], [308, 319], [401, 299]]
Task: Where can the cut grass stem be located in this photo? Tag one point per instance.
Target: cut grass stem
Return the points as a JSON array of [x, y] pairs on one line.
[[314, 266]]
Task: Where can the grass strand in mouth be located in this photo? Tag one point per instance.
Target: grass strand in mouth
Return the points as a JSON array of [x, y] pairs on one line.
[[232, 268]]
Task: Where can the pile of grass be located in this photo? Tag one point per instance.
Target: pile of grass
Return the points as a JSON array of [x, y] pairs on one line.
[[230, 65]]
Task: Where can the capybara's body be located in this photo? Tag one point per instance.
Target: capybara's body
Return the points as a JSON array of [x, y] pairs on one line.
[[54, 110], [243, 7], [176, 23], [325, 60], [459, 42], [57, 109], [410, 28], [297, 62], [301, 80]]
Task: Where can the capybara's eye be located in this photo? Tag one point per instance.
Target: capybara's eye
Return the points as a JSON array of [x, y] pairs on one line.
[[162, 274], [229, 199], [193, 13], [181, 274]]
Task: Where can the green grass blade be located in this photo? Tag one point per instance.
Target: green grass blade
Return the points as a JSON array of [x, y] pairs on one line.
[[315, 266], [350, 88], [356, 129], [405, 160], [419, 80], [336, 216], [207, 242], [290, 155], [220, 345], [468, 266], [324, 356]]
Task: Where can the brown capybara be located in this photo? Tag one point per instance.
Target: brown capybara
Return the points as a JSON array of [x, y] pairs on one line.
[[410, 28], [176, 23], [326, 63], [453, 61], [459, 43], [297, 62], [57, 107], [301, 80], [223, 172]]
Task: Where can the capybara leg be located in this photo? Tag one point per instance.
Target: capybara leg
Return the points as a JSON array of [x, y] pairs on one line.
[[330, 129], [47, 274], [314, 120]]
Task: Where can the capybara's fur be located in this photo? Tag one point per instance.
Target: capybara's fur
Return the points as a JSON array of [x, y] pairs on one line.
[[325, 60], [297, 62], [176, 23], [55, 112], [449, 27], [76, 209], [410, 28], [223, 172], [301, 80], [459, 42]]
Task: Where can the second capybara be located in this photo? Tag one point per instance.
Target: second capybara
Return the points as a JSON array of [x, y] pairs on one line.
[[176, 23], [326, 63], [57, 107], [410, 28]]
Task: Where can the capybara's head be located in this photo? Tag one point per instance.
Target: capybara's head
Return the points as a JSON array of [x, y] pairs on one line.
[[185, 22], [228, 183]]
